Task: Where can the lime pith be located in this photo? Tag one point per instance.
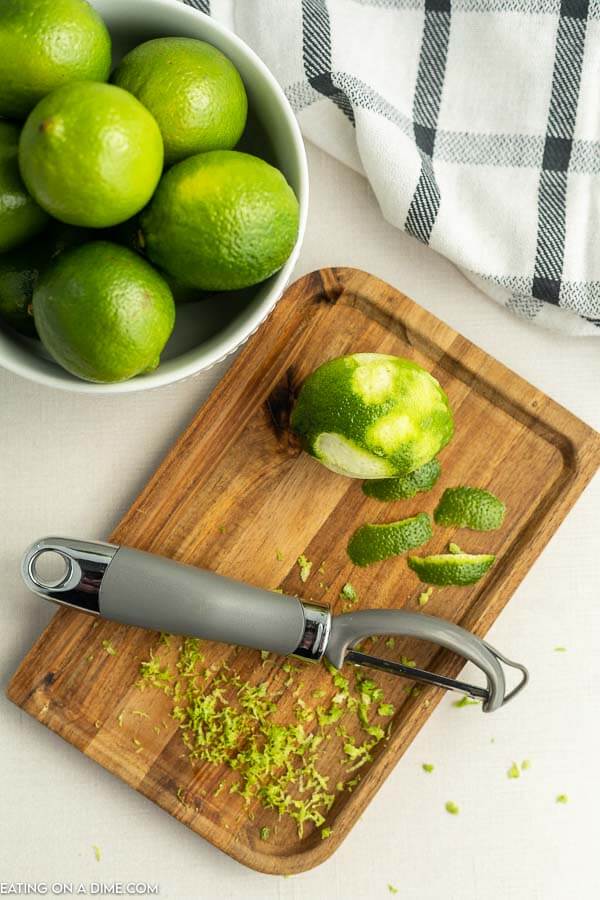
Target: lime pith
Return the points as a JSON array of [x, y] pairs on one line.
[[405, 487], [468, 507], [373, 543], [451, 568], [373, 416]]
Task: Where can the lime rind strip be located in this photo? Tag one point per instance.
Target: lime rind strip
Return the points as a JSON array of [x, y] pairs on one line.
[[405, 487], [469, 507], [451, 568], [374, 543]]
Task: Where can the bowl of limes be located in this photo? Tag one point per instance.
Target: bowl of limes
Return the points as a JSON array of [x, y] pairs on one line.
[[153, 192]]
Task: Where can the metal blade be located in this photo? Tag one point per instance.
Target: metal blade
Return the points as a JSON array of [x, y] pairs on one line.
[[421, 675]]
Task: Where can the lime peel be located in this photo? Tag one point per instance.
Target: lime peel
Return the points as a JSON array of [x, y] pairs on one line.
[[451, 568], [468, 507], [372, 415], [405, 487], [373, 543]]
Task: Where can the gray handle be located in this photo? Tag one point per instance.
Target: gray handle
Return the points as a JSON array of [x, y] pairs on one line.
[[154, 592], [348, 629]]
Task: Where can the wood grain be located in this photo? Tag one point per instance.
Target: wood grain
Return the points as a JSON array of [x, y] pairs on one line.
[[235, 487]]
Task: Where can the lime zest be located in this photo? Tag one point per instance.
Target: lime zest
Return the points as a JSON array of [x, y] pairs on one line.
[[427, 767], [392, 889], [230, 723], [514, 771], [265, 833], [452, 808], [562, 798], [279, 555], [560, 649], [326, 832], [348, 592], [97, 853], [465, 701], [453, 548], [526, 764], [109, 648], [424, 596], [305, 566]]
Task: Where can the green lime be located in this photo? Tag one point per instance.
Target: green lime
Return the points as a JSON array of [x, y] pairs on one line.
[[20, 216], [469, 507], [451, 568], [193, 91], [221, 221], [45, 44], [372, 543], [91, 154], [20, 270], [370, 415], [103, 312], [417, 482]]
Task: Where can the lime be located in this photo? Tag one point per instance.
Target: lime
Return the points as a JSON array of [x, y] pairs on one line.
[[45, 44], [20, 216], [469, 507], [370, 415], [417, 482], [372, 543], [220, 221], [20, 270], [91, 154], [451, 568], [193, 91], [103, 312]]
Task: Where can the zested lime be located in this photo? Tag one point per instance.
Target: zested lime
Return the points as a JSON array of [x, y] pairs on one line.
[[417, 482], [373, 543], [371, 415], [451, 568], [468, 507]]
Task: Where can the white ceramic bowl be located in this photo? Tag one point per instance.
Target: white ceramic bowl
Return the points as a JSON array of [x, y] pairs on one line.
[[208, 331]]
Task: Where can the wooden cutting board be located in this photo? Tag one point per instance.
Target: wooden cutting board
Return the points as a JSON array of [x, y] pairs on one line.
[[236, 495]]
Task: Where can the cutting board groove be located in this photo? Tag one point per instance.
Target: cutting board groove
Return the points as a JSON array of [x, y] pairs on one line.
[[235, 486]]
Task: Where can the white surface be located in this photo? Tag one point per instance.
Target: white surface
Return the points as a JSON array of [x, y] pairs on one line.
[[72, 464]]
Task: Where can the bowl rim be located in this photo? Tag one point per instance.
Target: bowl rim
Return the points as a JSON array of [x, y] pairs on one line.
[[218, 349]]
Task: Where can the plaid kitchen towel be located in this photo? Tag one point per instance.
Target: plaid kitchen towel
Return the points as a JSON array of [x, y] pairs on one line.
[[477, 123]]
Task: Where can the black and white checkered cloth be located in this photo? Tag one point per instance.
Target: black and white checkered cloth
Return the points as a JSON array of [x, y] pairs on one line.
[[477, 123]]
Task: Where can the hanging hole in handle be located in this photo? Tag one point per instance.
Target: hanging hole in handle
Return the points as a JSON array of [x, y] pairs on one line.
[[50, 569]]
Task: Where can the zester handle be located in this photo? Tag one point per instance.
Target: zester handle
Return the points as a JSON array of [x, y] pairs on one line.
[[148, 591], [154, 592]]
